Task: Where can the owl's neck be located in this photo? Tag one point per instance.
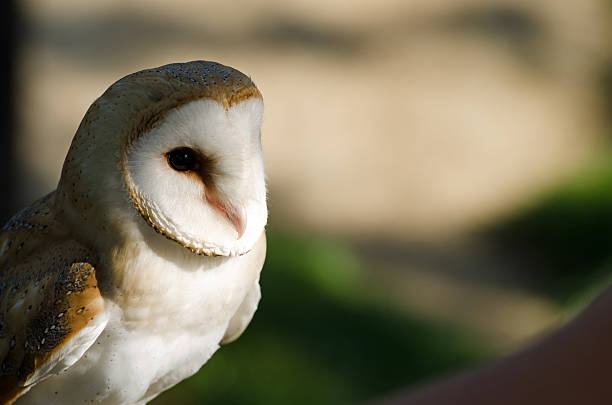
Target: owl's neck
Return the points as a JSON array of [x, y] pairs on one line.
[[154, 287]]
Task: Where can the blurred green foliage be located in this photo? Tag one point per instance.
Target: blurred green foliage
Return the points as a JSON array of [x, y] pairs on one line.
[[568, 235], [322, 336]]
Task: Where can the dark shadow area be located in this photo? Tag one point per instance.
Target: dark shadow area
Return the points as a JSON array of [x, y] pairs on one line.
[[605, 82], [513, 27], [320, 337], [287, 32], [567, 236], [477, 260], [7, 92], [501, 22], [110, 39]]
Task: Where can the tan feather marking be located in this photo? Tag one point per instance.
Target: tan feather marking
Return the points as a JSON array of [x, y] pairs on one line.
[[10, 390], [204, 171], [46, 296]]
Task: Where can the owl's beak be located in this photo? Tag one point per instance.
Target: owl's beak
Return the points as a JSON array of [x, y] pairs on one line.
[[236, 215]]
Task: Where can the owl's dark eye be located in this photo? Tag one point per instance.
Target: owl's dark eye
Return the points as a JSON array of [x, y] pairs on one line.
[[182, 159]]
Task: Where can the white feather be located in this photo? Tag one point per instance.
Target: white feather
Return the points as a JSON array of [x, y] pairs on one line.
[[177, 202]]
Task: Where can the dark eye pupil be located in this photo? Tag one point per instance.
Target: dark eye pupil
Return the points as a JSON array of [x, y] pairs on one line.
[[182, 159]]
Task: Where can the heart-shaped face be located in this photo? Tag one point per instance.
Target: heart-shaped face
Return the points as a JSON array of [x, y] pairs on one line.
[[198, 176], [178, 146]]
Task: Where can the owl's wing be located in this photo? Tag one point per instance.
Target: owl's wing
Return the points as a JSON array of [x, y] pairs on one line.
[[247, 308], [243, 316], [51, 310]]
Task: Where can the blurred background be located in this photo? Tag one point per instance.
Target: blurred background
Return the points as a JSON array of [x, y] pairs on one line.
[[440, 172]]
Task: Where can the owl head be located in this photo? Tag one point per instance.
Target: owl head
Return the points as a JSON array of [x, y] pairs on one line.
[[177, 149]]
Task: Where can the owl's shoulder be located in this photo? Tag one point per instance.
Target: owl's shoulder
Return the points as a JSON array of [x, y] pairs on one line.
[[48, 297]]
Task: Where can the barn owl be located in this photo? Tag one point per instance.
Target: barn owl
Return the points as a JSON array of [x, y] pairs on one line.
[[128, 277]]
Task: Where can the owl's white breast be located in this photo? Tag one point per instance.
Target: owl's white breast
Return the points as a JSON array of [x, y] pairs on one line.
[[167, 317]]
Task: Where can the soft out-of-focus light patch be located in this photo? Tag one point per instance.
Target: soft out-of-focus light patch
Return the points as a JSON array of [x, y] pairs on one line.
[[326, 265], [333, 269]]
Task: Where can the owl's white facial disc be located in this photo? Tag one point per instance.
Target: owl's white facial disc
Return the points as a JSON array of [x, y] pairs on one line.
[[216, 206]]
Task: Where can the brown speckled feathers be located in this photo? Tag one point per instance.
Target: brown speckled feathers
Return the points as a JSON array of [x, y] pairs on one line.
[[48, 293]]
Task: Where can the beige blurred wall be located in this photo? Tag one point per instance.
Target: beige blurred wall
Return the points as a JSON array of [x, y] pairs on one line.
[[383, 119]]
